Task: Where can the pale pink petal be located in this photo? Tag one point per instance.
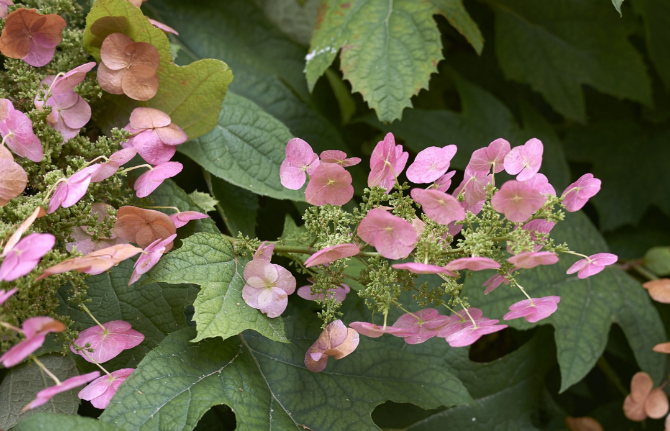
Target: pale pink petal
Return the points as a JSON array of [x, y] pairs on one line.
[[531, 259], [517, 200], [250, 295], [444, 182], [473, 186], [439, 206], [22, 350], [423, 268], [331, 254], [152, 149], [339, 157], [539, 309], [72, 78], [291, 177], [472, 263], [45, 395], [152, 179], [164, 27], [78, 115], [578, 193], [171, 135], [540, 183], [330, 184], [264, 251], [39, 55], [430, 164], [4, 295], [338, 293], [273, 302], [25, 256], [105, 171], [525, 160], [492, 156], [77, 185], [300, 153], [182, 218], [375, 331], [382, 161], [392, 236], [285, 280], [123, 156], [492, 283]]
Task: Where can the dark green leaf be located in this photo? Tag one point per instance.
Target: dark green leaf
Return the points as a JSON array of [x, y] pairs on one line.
[[344, 99], [170, 194], [53, 422], [295, 19], [558, 46], [657, 259], [23, 382], [209, 261], [656, 15], [389, 49], [238, 207], [268, 386]]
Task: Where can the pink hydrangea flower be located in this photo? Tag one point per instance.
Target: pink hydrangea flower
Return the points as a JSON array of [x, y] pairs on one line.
[[430, 164], [471, 333], [112, 165], [387, 162], [331, 254], [525, 160], [517, 200], [101, 390], [35, 330], [457, 321], [493, 156], [531, 259], [538, 226], [267, 287], [25, 255], [578, 193], [474, 186], [182, 218], [17, 131], [264, 251], [540, 183], [423, 268], [392, 236], [300, 160], [153, 178], [533, 310], [439, 206], [336, 340], [443, 183], [592, 264], [339, 157], [45, 395], [472, 263], [4, 295], [338, 292], [69, 111], [70, 191], [419, 330], [492, 283], [375, 331], [330, 184], [108, 342], [155, 135], [150, 257]]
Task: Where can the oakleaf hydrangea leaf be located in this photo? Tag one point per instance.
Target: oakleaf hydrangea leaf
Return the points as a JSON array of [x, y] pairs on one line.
[[389, 49], [204, 201], [22, 382], [59, 422], [268, 387], [191, 95], [557, 47], [208, 260], [588, 307]]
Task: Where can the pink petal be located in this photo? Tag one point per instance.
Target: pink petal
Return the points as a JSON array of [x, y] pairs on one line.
[[492, 156], [123, 156], [106, 170], [24, 142], [101, 391], [338, 293], [540, 183], [250, 295], [4, 295], [260, 273], [473, 186], [45, 395], [578, 193], [472, 263], [39, 55], [291, 177], [525, 160], [264, 251], [171, 135], [77, 185], [152, 149], [152, 179], [272, 302], [382, 161], [517, 200], [444, 182], [181, 218], [299, 153], [532, 259], [430, 164], [492, 283], [285, 280], [330, 184], [72, 78], [22, 350], [439, 206], [331, 254], [423, 268], [340, 157], [161, 26], [392, 236], [78, 115], [374, 331]]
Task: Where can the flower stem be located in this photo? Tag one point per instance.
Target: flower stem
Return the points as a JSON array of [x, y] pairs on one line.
[[83, 350], [45, 369], [52, 188], [12, 327], [410, 313], [95, 160], [151, 168], [577, 254], [524, 292], [93, 317], [165, 208], [386, 315], [644, 272]]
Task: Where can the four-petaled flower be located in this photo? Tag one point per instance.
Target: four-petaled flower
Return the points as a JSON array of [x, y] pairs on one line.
[[439, 206], [107, 341], [524, 160], [155, 136], [578, 193], [387, 162], [336, 340], [493, 156], [392, 236], [430, 164], [330, 184], [300, 160], [533, 310], [267, 287], [31, 36], [592, 265], [517, 200], [101, 390]]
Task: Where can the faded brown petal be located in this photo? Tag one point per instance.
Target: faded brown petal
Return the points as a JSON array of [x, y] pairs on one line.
[[5, 108], [113, 51], [662, 348], [15, 38], [140, 83], [583, 424], [659, 290], [346, 347], [5, 153], [110, 80], [143, 226], [172, 135], [48, 30], [656, 404], [634, 410], [118, 253], [148, 118], [640, 386], [107, 25], [144, 54], [13, 180], [94, 263]]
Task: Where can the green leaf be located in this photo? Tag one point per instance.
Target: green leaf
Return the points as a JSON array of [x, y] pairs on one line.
[[617, 5], [294, 19], [209, 261], [656, 15], [389, 49], [154, 309], [204, 201], [657, 259], [237, 207], [191, 95], [558, 46], [169, 194], [623, 198], [23, 382], [344, 98], [293, 234], [54, 422], [268, 387], [246, 148], [587, 309]]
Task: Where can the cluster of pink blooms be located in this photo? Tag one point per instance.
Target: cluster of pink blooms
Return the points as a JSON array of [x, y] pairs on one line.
[[97, 344], [395, 237]]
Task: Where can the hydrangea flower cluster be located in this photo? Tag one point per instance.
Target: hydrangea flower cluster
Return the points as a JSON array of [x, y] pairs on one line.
[[479, 226]]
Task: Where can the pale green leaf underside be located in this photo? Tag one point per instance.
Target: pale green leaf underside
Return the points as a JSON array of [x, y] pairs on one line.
[[587, 309], [268, 387], [389, 48], [23, 382], [208, 260], [246, 148], [558, 46], [617, 5], [191, 95]]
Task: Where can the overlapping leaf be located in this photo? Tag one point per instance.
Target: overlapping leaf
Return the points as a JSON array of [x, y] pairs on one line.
[[170, 194], [238, 207], [656, 15], [208, 260], [587, 309], [389, 49], [191, 95], [56, 422], [558, 46], [268, 386]]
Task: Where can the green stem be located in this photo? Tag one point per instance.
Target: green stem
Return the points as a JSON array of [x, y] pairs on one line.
[[644, 272], [297, 249], [12, 327], [164, 208], [45, 369], [93, 317], [611, 375], [83, 350]]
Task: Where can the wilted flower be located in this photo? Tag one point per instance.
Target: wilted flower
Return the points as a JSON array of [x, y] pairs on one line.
[[70, 191], [300, 160], [31, 36], [143, 226], [128, 67], [531, 259], [107, 341], [439, 206], [392, 236], [339, 157], [331, 254], [386, 163], [472, 263], [338, 293], [150, 257], [592, 264], [493, 156], [267, 287], [644, 401], [94, 263], [155, 136], [578, 193], [154, 177], [525, 160], [330, 184], [24, 256], [183, 217], [101, 390], [336, 340], [517, 200], [17, 132], [35, 330], [45, 395], [13, 179], [430, 164], [533, 310]]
